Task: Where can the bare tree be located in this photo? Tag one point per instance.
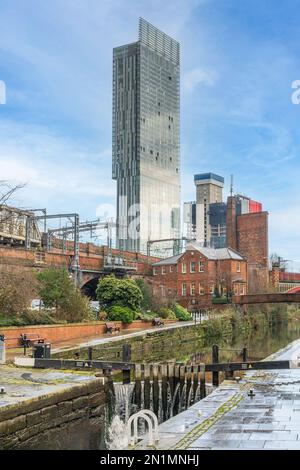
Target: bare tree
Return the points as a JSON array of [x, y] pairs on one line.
[[7, 190]]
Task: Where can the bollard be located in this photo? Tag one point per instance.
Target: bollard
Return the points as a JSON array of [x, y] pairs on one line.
[[2, 349], [215, 360]]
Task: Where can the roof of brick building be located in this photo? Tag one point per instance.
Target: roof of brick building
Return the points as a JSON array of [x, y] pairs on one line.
[[209, 253]]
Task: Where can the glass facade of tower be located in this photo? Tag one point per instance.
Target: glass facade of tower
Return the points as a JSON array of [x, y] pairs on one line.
[[146, 138]]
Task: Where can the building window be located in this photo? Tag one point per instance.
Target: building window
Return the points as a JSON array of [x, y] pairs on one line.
[[201, 290], [193, 289], [201, 267], [238, 267], [183, 289], [163, 270], [154, 272], [183, 268], [193, 267], [242, 290], [171, 269], [211, 289]]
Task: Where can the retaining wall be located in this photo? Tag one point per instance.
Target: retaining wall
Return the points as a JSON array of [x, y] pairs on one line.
[[73, 418], [58, 333]]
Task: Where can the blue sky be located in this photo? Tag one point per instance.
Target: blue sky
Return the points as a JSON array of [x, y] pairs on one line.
[[239, 59]]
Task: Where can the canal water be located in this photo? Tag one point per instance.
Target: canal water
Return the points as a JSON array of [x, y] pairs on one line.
[[168, 399]]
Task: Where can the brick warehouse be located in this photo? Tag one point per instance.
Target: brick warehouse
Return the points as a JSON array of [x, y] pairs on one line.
[[248, 234], [193, 277]]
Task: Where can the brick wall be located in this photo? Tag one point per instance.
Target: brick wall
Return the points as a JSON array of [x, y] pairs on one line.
[[252, 242], [58, 333], [91, 258]]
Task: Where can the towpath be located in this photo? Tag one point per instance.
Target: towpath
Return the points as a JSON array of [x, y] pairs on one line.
[[230, 419]]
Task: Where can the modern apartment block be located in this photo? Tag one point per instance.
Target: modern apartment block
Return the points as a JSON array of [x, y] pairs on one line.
[[146, 138], [209, 190], [190, 220]]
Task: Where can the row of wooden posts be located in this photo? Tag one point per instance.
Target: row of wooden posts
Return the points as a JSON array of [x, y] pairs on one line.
[[172, 370]]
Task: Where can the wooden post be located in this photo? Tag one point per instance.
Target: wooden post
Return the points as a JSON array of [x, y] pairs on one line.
[[164, 391], [188, 382], [90, 353], [126, 376], [155, 389], [215, 360], [171, 376], [147, 386], [229, 374], [244, 354], [126, 353], [202, 380], [138, 387]]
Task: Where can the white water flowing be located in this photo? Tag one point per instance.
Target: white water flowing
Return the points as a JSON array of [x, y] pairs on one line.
[[117, 438]]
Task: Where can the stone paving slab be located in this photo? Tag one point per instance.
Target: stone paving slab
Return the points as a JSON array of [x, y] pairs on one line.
[[21, 385], [230, 419]]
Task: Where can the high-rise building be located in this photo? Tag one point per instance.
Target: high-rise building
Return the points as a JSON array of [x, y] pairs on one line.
[[209, 189], [146, 138], [189, 220]]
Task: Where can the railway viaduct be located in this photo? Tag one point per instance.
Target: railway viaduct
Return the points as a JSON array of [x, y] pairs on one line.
[[94, 262]]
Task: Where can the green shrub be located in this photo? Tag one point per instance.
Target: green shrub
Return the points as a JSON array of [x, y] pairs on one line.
[[102, 316], [166, 314], [119, 313], [217, 328], [146, 290], [29, 317], [120, 292], [219, 300], [148, 316], [181, 313]]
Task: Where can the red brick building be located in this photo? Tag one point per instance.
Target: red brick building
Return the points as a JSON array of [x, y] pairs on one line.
[[193, 278]]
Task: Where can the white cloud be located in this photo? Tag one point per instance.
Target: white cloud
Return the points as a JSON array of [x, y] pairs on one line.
[[197, 76], [106, 211], [53, 165]]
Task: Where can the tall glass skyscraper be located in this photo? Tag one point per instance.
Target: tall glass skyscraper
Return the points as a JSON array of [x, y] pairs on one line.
[[146, 138]]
